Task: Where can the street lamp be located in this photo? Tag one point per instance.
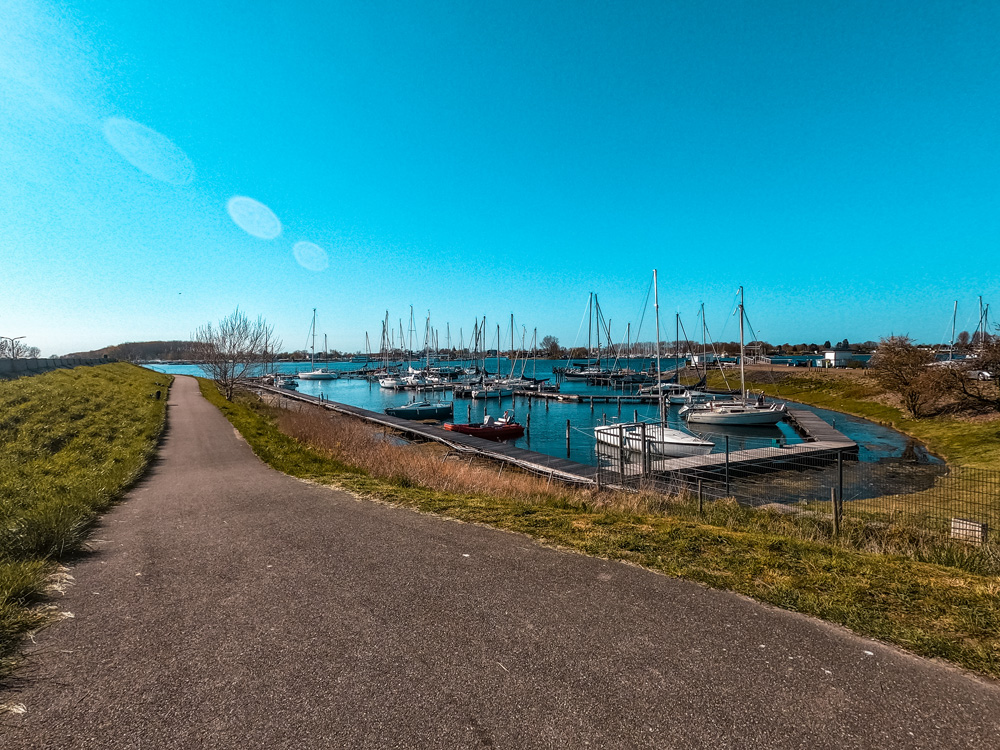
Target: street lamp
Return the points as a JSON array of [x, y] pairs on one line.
[[13, 353]]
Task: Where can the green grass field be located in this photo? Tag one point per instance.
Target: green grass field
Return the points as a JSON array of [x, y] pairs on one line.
[[71, 443], [900, 585]]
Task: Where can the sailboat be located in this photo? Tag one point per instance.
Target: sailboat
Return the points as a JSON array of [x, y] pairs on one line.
[[320, 373], [654, 438], [742, 411]]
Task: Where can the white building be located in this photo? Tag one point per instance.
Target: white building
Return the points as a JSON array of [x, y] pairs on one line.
[[837, 357]]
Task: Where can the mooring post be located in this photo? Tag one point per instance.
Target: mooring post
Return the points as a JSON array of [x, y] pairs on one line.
[[468, 417], [527, 426], [567, 438], [836, 515], [727, 465], [591, 403], [619, 406], [635, 415]]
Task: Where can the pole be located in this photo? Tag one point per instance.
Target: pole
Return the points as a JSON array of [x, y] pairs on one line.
[[727, 465], [645, 449], [621, 452], [836, 515], [567, 438]]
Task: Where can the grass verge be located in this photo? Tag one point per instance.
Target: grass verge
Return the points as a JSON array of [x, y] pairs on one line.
[[71, 443], [901, 586]]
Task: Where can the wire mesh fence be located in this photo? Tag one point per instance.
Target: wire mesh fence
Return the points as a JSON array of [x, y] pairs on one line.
[[811, 476]]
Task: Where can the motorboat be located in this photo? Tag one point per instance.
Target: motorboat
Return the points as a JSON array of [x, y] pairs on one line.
[[423, 410], [504, 428]]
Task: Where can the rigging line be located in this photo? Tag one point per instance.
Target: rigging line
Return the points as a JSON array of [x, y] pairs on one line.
[[579, 330], [645, 306]]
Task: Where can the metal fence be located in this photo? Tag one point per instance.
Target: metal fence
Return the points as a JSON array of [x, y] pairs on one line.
[[958, 502]]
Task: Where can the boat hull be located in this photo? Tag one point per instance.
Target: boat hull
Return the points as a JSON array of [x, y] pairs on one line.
[[443, 410], [660, 441], [495, 432], [735, 415], [319, 375]]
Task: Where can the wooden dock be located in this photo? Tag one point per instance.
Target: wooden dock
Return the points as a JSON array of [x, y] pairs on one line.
[[822, 443], [539, 463]]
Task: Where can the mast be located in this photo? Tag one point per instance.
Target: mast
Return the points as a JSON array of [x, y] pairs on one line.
[[590, 326], [659, 381], [954, 314], [312, 358], [743, 384], [512, 360]]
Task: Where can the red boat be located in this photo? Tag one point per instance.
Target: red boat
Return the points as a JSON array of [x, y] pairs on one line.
[[504, 428]]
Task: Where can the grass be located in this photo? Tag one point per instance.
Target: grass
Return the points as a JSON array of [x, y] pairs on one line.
[[963, 440], [898, 584], [71, 443]]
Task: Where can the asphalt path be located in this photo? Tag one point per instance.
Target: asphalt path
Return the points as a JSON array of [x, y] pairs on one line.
[[226, 605]]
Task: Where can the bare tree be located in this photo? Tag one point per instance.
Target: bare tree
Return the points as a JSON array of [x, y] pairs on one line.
[[236, 349], [14, 348], [903, 369], [550, 345]]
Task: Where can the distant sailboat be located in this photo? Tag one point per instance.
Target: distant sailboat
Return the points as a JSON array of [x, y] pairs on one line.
[[321, 373]]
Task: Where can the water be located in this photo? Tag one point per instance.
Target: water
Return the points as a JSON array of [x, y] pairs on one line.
[[548, 417]]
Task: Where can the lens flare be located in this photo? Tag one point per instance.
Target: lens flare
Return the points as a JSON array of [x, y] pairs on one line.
[[149, 151], [310, 256], [253, 217]]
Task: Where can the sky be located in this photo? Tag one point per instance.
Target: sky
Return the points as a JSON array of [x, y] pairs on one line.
[[162, 164]]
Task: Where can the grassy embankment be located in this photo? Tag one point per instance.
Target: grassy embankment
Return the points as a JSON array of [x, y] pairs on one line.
[[71, 443], [919, 592]]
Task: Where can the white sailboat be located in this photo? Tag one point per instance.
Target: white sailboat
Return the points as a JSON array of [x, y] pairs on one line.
[[742, 411], [654, 438], [317, 373]]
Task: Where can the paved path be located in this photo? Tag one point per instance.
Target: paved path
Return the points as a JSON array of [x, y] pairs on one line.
[[229, 606]]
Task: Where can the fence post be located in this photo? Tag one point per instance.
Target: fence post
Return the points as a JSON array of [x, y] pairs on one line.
[[836, 513], [727, 465], [701, 504], [645, 449], [840, 482], [621, 452]]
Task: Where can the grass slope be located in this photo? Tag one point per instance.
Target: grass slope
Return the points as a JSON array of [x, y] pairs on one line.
[[71, 442], [932, 609]]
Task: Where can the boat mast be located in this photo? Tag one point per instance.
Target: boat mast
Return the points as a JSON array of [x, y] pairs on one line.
[[590, 326], [954, 314], [659, 381], [743, 384], [312, 358]]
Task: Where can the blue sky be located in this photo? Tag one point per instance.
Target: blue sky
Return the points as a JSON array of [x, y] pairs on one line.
[[837, 159]]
